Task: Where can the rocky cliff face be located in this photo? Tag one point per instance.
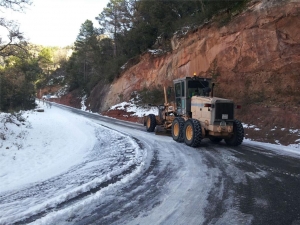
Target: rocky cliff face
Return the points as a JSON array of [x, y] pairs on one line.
[[254, 59]]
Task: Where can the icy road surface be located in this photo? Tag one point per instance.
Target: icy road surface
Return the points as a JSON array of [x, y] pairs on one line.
[[130, 176]]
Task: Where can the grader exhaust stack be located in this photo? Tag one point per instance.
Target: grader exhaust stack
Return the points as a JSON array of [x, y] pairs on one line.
[[166, 99]]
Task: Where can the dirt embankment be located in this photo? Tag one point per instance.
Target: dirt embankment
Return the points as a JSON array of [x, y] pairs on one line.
[[122, 115], [71, 99]]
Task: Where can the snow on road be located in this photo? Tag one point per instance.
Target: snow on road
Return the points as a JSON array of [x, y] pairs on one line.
[[55, 158]]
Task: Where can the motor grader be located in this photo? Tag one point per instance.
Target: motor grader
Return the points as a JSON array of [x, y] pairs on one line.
[[196, 114]]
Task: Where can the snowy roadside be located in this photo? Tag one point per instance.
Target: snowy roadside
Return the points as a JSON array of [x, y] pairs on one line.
[[38, 147], [53, 157]]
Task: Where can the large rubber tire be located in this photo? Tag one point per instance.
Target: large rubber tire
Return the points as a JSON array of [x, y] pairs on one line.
[[177, 129], [192, 133], [238, 134], [150, 123], [215, 139]]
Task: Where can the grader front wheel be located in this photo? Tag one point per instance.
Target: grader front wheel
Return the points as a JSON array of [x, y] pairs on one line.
[[192, 133], [150, 123], [177, 129]]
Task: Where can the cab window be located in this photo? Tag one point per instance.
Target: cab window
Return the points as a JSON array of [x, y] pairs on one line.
[[179, 89]]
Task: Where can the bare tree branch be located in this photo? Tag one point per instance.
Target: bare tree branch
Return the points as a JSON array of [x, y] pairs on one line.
[[16, 5], [14, 38]]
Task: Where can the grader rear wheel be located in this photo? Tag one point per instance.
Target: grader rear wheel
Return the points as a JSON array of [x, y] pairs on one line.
[[238, 134]]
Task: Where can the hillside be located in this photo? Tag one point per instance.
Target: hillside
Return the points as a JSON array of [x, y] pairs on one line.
[[252, 56]]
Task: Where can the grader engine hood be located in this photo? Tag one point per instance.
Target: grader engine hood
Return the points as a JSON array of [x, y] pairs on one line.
[[212, 111]]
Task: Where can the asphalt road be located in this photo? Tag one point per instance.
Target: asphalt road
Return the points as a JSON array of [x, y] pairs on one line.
[[248, 184]]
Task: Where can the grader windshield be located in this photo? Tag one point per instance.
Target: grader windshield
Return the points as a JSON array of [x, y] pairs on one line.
[[187, 87]]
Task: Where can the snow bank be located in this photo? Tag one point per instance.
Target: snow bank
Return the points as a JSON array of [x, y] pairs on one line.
[[40, 148]]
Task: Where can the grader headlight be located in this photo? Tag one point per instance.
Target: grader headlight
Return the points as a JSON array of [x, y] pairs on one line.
[[222, 126]]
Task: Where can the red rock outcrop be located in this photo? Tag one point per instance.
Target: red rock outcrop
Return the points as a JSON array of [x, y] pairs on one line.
[[254, 60], [255, 57]]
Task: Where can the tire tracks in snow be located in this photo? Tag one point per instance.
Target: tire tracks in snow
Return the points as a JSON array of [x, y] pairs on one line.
[[35, 191]]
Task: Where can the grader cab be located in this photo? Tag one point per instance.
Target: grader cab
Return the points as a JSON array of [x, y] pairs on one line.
[[196, 114]]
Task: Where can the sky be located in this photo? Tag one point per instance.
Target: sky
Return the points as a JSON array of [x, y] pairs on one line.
[[56, 22], [54, 155]]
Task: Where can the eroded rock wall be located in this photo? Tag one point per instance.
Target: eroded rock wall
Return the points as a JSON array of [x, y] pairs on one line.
[[254, 59]]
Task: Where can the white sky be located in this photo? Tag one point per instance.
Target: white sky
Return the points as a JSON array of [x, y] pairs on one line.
[[56, 22]]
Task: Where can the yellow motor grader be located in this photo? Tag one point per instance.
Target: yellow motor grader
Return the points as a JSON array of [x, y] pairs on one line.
[[196, 114]]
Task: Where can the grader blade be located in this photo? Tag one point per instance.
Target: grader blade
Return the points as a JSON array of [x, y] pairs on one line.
[[160, 130]]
